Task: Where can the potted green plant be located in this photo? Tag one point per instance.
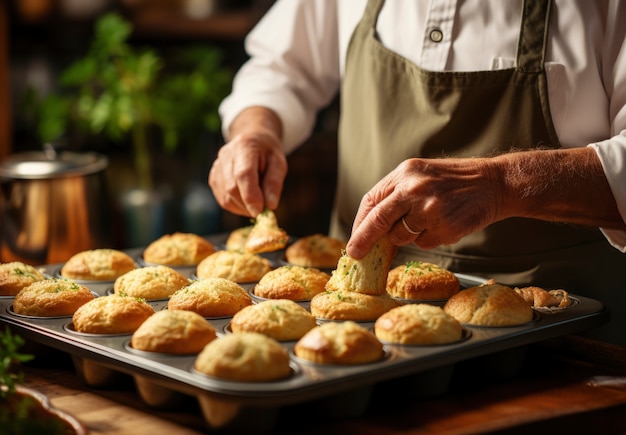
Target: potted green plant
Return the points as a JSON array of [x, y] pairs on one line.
[[24, 410], [128, 94]]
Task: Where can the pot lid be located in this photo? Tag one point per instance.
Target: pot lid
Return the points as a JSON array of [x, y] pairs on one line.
[[37, 165]]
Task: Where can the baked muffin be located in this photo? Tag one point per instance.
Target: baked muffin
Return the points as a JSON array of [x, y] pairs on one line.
[[52, 297], [178, 249], [339, 343], [367, 275], [348, 305], [489, 305], [420, 324], [211, 297], [150, 282], [98, 265], [244, 356], [14, 276], [234, 265], [317, 250], [236, 240], [418, 280], [281, 319], [175, 332], [291, 282], [266, 235], [112, 314], [541, 298]]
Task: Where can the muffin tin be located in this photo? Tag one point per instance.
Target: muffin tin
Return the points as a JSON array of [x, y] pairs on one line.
[[166, 381]]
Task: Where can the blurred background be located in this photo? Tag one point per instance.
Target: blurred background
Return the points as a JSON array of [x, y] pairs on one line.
[[134, 84]]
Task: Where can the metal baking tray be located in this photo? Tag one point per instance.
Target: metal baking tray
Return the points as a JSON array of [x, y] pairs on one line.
[[161, 380]]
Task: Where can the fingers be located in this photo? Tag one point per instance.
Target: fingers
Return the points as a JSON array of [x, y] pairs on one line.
[[427, 202], [248, 175], [376, 218], [273, 179], [409, 229]]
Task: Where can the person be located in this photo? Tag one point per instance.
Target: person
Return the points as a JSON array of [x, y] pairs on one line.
[[488, 137]]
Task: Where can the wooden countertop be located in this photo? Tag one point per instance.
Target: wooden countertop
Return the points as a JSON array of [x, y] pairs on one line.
[[570, 385]]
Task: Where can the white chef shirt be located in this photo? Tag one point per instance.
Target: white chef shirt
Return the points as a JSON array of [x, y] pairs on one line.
[[298, 53]]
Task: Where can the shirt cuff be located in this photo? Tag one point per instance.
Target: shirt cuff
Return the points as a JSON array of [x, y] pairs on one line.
[[612, 155]]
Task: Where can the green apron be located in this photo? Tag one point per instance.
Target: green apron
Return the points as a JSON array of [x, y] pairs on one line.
[[393, 110]]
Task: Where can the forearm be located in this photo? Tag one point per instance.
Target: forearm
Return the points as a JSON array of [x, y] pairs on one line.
[[565, 185]]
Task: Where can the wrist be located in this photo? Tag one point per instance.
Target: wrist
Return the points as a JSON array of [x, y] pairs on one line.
[[257, 121]]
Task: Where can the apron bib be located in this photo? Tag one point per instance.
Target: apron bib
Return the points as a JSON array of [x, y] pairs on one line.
[[463, 114]]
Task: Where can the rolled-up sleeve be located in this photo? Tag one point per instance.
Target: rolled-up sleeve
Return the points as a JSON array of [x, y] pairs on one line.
[[612, 154], [293, 67]]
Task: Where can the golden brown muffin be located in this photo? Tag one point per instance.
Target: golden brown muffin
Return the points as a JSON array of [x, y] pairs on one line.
[[246, 357], [541, 298], [418, 324], [265, 235], [14, 276], [150, 282], [51, 298], [98, 265], [211, 297], [178, 249], [317, 250], [234, 265], [347, 305], [339, 343], [489, 305], [367, 275], [175, 332], [236, 240], [291, 282], [418, 280], [281, 319], [112, 314]]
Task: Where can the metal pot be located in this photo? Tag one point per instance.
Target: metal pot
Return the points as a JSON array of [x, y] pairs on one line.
[[52, 206]]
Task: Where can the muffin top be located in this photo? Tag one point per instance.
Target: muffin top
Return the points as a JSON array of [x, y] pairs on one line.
[[266, 235], [291, 282], [348, 305], [281, 319], [111, 314], [489, 305], [98, 265], [418, 324], [339, 343], [178, 249], [14, 276], [236, 266], [317, 250], [420, 280], [211, 297], [246, 357], [51, 298], [175, 332], [150, 282], [236, 240]]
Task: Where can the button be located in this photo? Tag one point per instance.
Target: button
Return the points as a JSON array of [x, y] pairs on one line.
[[436, 35]]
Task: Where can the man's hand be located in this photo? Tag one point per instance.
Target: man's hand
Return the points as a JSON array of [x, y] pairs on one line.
[[432, 202], [250, 169], [440, 200]]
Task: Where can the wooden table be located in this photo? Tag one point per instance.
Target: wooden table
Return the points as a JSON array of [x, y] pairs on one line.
[[570, 385]]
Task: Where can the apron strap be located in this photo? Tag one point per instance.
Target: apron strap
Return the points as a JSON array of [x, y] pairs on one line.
[[372, 11], [533, 34]]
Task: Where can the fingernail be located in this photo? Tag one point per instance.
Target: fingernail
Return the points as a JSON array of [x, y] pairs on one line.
[[352, 251], [272, 200], [253, 212]]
